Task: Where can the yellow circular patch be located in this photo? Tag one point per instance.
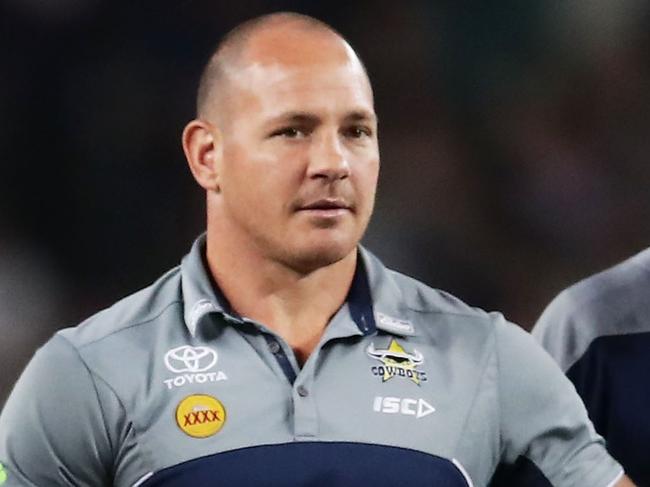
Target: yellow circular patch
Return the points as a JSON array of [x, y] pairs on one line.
[[200, 415]]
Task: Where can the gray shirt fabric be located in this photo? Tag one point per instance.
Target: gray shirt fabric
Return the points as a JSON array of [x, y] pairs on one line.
[[613, 302], [598, 330], [165, 384]]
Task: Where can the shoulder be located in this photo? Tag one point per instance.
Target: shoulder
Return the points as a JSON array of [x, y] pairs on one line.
[[57, 390], [392, 289], [604, 304], [607, 291], [440, 317], [110, 333], [139, 309], [420, 299], [431, 313], [129, 336]]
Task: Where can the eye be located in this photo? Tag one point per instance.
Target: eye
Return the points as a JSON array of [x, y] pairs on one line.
[[358, 131], [290, 133]]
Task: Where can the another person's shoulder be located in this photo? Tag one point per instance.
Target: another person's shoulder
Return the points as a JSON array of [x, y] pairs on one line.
[[597, 293], [600, 305]]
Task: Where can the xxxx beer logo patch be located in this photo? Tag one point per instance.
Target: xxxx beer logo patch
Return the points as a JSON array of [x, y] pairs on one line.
[[200, 415], [397, 362]]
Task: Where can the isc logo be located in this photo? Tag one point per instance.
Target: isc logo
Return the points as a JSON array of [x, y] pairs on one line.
[[407, 406]]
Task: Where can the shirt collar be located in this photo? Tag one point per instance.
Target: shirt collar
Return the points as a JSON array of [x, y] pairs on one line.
[[200, 296], [374, 301], [388, 301]]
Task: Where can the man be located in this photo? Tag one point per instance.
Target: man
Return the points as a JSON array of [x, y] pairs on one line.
[[599, 332], [280, 352]]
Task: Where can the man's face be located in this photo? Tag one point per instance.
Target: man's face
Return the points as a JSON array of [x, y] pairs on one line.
[[300, 157]]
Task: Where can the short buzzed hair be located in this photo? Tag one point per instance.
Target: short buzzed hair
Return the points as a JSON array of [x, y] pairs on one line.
[[233, 43]]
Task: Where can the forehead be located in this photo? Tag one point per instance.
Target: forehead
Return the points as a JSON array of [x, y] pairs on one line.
[[260, 92], [294, 70], [296, 46]]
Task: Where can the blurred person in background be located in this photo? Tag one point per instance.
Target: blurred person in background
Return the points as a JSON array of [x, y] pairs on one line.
[[598, 330], [281, 352]]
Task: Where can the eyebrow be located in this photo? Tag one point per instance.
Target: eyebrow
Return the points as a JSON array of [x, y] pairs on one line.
[[294, 117], [310, 118], [361, 116]]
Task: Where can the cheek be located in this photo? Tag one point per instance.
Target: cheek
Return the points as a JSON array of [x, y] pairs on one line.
[[367, 177], [263, 180], [238, 177]]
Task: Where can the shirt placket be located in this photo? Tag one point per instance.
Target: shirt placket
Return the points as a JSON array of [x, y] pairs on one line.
[[305, 412], [302, 380]]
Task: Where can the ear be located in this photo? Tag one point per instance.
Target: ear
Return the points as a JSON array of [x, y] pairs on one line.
[[203, 151]]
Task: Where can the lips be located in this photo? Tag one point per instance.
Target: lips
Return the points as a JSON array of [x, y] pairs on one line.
[[326, 204]]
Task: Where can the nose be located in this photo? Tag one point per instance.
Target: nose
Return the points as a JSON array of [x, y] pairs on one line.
[[327, 158]]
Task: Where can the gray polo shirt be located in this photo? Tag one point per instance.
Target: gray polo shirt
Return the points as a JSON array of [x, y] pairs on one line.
[[598, 330], [408, 386]]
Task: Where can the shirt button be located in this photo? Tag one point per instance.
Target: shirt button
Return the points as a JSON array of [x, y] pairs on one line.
[[302, 391], [274, 347]]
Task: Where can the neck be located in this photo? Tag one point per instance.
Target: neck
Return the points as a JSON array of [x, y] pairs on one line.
[[295, 305]]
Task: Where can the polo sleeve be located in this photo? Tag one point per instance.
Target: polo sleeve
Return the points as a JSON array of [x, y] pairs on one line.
[[557, 330], [52, 428], [547, 437]]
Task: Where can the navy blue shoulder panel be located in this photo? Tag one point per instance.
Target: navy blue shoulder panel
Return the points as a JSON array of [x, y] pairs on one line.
[[612, 377], [523, 473], [313, 464]]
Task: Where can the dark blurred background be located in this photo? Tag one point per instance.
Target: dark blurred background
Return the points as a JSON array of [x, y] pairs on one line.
[[514, 135]]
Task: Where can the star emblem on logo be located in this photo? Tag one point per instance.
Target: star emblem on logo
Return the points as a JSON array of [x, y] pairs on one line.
[[397, 362]]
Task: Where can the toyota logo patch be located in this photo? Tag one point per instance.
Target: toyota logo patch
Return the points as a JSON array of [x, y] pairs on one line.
[[190, 359]]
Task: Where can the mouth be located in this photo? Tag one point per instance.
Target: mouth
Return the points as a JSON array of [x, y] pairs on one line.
[[327, 207]]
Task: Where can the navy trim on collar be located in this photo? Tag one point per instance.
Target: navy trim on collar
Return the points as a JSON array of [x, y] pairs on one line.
[[359, 300], [374, 300]]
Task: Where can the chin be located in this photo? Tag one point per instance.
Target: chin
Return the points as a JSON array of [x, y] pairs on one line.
[[321, 254]]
